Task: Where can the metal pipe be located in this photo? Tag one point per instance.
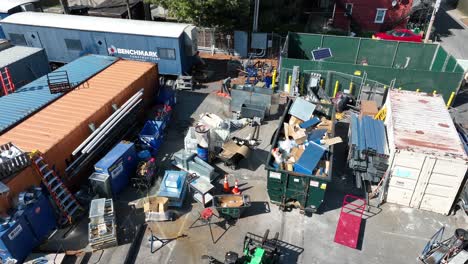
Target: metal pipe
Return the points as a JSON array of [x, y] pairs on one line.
[[96, 131], [111, 121], [110, 127]]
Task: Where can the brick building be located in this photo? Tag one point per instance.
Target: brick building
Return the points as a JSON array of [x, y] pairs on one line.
[[371, 15]]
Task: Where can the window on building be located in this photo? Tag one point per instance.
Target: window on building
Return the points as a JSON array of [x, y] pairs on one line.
[[73, 44], [167, 54], [18, 39], [349, 9], [380, 15]]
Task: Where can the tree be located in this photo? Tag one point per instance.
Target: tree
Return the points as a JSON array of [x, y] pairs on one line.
[[223, 14]]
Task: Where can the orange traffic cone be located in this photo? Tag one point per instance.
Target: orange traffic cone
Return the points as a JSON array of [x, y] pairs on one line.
[[226, 187], [236, 190]]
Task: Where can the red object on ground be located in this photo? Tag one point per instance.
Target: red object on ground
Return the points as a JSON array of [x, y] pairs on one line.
[[226, 187], [236, 190], [399, 35], [349, 223], [207, 213]]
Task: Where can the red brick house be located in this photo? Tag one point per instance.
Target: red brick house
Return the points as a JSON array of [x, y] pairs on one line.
[[371, 15]]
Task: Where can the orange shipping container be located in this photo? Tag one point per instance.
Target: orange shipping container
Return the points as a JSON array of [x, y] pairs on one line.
[[61, 127]]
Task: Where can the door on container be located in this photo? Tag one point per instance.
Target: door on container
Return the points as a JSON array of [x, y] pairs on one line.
[[101, 45], [33, 40], [441, 185], [405, 172]]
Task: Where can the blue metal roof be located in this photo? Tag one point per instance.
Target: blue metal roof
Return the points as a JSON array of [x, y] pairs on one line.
[[33, 96]]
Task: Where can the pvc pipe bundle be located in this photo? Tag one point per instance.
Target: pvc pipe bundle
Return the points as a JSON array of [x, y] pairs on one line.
[[98, 135]]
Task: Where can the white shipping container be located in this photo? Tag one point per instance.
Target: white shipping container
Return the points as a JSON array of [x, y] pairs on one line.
[[428, 161]]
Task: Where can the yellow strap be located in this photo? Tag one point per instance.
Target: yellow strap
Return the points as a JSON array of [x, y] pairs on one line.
[[381, 114]]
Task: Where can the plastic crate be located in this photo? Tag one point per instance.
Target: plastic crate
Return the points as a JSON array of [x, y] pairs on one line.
[[8, 166]]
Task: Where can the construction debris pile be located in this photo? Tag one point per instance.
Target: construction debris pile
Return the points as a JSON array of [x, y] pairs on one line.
[[306, 139], [368, 149], [12, 159]]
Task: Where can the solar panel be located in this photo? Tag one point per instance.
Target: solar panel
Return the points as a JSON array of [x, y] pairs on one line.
[[320, 54]]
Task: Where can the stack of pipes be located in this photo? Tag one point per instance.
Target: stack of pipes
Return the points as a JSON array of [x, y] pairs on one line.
[[85, 151]]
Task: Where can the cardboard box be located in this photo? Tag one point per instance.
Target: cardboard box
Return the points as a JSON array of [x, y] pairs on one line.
[[368, 108], [293, 121], [299, 135], [155, 204], [296, 153], [325, 124]]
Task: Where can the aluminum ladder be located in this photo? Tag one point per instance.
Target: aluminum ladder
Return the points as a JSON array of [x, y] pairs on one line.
[[64, 199], [7, 84]]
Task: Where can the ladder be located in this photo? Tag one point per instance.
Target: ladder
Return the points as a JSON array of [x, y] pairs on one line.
[[64, 199], [7, 84]]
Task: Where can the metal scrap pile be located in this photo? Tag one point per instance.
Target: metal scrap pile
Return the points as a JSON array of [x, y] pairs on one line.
[[368, 150]]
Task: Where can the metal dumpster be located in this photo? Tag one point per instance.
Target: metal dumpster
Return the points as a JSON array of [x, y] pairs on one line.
[[305, 191]]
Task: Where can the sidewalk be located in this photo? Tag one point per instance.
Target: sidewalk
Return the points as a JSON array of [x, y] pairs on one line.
[[452, 31]]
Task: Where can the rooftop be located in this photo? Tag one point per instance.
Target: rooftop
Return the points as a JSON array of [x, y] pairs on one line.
[[7, 56], [6, 5], [421, 123], [100, 24], [35, 95]]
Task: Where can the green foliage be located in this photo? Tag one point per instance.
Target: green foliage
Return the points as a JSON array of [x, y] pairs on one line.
[[223, 14]]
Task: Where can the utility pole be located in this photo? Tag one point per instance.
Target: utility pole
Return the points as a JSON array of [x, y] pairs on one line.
[[127, 3], [65, 7], [431, 23], [255, 16]]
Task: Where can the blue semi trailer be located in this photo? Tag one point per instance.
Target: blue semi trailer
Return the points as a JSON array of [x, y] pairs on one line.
[[67, 37], [9, 7]]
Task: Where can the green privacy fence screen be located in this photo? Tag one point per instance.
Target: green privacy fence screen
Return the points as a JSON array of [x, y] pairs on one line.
[[412, 66]]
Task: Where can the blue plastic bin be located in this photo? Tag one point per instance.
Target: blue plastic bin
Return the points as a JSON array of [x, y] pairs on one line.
[[151, 135]]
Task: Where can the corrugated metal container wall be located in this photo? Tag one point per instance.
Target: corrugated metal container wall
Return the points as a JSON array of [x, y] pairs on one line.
[[60, 127], [428, 161], [35, 95], [24, 63]]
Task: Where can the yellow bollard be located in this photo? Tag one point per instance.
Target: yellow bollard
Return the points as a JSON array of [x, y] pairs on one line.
[[449, 103], [417, 90], [385, 87], [273, 79], [322, 82], [434, 92], [289, 83], [337, 84], [351, 88]]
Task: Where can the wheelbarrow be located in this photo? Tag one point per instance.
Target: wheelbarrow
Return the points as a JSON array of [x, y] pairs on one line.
[[231, 206]]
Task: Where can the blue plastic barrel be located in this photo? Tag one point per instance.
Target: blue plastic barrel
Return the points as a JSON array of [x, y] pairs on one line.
[[202, 153]]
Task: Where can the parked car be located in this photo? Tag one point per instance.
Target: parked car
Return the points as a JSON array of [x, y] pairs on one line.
[[399, 35]]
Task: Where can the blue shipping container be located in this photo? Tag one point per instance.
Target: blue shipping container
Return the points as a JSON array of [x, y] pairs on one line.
[[25, 64], [120, 164], [32, 97], [16, 240], [65, 38]]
